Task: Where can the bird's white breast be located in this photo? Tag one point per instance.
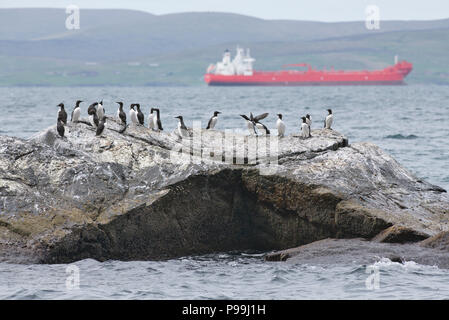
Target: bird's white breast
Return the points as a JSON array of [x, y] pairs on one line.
[[309, 121], [100, 111], [151, 120], [133, 115], [305, 130], [213, 122], [155, 121], [280, 126], [76, 114], [329, 120]]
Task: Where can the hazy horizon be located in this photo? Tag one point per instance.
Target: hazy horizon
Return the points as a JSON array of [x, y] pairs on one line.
[[324, 10]]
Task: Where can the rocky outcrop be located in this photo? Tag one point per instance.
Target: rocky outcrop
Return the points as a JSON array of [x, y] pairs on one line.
[[359, 252], [399, 234], [155, 195], [439, 241]]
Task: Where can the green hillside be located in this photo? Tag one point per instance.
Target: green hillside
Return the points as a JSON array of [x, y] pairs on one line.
[[124, 47]]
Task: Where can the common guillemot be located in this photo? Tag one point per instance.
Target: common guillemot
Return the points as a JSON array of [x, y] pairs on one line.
[[151, 122], [133, 114], [329, 120], [92, 108], [260, 126], [100, 110], [76, 113], [101, 126], [157, 119], [280, 125], [62, 115], [92, 112], [182, 129], [60, 128], [309, 120], [140, 116], [213, 120], [305, 129], [121, 115], [249, 124]]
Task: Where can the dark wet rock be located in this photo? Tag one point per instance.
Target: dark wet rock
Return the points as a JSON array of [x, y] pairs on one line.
[[135, 196], [359, 252]]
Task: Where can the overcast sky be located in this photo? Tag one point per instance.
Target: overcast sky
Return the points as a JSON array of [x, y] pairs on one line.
[[321, 10]]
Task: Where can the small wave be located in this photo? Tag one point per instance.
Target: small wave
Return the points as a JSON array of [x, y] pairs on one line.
[[409, 265], [401, 137]]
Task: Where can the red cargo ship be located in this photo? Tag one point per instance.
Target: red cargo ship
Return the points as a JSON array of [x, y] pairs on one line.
[[239, 72]]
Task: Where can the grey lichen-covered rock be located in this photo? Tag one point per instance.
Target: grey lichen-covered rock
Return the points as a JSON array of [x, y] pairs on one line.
[[135, 196]]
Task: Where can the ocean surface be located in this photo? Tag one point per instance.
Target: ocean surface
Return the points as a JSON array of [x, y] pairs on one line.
[[410, 122]]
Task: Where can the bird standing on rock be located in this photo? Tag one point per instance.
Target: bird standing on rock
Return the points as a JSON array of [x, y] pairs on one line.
[[62, 115], [157, 120], [101, 126], [213, 120], [100, 110], [121, 115], [305, 129], [92, 108], [280, 125], [76, 113], [151, 123], [309, 120], [182, 129], [92, 112], [329, 120], [140, 116], [133, 114], [60, 128]]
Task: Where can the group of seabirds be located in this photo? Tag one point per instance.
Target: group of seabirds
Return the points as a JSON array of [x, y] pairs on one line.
[[98, 118]]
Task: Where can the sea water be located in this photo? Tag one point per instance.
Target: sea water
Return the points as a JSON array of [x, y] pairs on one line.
[[409, 122]]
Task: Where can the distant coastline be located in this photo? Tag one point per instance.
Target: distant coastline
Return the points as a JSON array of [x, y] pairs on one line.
[[43, 52]]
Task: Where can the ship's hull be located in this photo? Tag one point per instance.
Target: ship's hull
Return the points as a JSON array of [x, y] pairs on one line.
[[304, 83], [393, 75]]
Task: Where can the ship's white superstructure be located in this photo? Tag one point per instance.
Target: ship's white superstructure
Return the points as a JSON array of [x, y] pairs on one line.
[[242, 64]]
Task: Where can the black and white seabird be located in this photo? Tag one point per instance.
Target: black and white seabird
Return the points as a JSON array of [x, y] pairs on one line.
[[151, 122], [92, 108], [309, 120], [182, 129], [121, 115], [140, 116], [62, 115], [309, 123], [249, 124], [92, 112], [100, 110], [213, 120], [280, 125], [95, 121], [157, 119], [305, 129], [329, 120], [133, 114], [76, 113], [101, 126], [260, 126], [60, 128]]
